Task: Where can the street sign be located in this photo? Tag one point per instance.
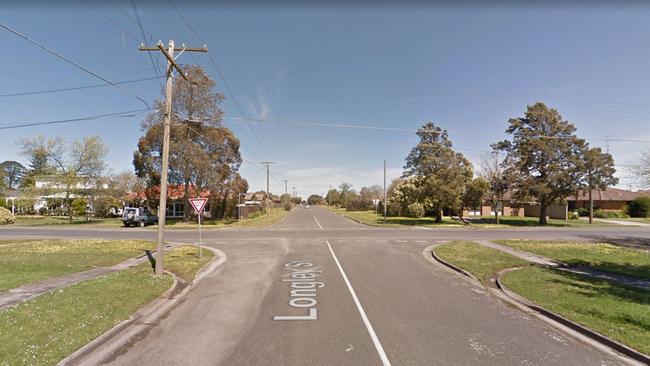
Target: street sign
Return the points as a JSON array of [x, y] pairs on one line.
[[198, 204]]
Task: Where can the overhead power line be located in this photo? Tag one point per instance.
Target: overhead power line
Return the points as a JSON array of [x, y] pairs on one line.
[[396, 129], [259, 145], [76, 88], [43, 47], [132, 113]]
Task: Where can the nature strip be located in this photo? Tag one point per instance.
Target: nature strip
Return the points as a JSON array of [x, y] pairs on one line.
[[30, 291], [601, 339], [570, 324], [107, 344]]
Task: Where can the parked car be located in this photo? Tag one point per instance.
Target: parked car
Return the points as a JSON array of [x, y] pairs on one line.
[[138, 216]]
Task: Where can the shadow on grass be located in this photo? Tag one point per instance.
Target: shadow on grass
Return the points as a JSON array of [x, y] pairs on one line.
[[636, 242], [591, 288], [152, 260], [641, 271], [509, 221]]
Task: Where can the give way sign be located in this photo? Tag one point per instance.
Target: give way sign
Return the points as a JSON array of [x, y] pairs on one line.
[[198, 204]]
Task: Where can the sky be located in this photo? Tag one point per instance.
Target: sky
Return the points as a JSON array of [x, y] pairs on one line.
[[467, 69]]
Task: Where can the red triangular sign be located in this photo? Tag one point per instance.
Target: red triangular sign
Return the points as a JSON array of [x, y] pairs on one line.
[[198, 204]]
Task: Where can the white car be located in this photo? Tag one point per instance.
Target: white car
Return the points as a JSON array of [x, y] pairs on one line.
[[306, 206]]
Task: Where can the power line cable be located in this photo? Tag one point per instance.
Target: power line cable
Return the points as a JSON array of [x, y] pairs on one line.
[[222, 77], [76, 88], [411, 130], [131, 113], [144, 40], [72, 62]]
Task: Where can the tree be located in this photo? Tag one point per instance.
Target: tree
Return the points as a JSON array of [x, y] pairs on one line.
[[333, 197], [440, 173], [641, 169], [544, 157], [493, 171], [203, 153], [76, 168], [38, 166], [598, 170], [473, 194], [401, 194], [12, 173], [345, 188], [314, 199]]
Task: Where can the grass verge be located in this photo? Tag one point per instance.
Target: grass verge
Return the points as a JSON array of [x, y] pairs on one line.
[[371, 218], [37, 220], [481, 261], [256, 219], [601, 256], [618, 312], [184, 261], [507, 221], [28, 261], [49, 328]]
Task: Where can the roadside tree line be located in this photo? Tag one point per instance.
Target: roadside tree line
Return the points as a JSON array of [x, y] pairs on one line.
[[204, 157], [544, 161]]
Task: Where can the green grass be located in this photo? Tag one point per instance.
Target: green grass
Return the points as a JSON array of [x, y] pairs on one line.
[[480, 261], [616, 311], [371, 218], [505, 221], [483, 222], [49, 328], [184, 261], [256, 219], [60, 220], [28, 261], [604, 257]]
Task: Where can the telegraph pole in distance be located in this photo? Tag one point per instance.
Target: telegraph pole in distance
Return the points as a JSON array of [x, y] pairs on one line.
[[268, 194], [285, 186], [171, 65], [385, 191]]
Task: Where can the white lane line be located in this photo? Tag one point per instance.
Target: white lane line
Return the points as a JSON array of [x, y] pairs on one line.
[[381, 241], [420, 241], [371, 331], [401, 241], [318, 223]]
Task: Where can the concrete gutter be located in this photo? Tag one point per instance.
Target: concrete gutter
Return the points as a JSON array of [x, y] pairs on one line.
[[600, 338], [577, 331], [107, 344]]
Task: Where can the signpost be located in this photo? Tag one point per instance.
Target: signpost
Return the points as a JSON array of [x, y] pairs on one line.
[[199, 204]]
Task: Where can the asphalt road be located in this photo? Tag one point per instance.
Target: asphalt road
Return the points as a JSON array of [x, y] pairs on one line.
[[377, 300]]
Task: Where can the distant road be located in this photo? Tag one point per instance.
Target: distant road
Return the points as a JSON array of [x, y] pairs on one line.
[[377, 300]]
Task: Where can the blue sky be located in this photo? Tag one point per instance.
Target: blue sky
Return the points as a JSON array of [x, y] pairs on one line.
[[467, 69]]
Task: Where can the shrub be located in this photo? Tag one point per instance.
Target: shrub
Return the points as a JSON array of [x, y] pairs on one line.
[[584, 212], [79, 207], [102, 206], [575, 215], [415, 210], [3, 203], [287, 205], [6, 217], [639, 207], [358, 205]]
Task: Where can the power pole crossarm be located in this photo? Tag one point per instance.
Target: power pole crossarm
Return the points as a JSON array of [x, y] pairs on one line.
[[171, 64]]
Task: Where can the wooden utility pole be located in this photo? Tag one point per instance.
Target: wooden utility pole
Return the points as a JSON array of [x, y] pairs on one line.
[[385, 203], [268, 194], [285, 186], [162, 211]]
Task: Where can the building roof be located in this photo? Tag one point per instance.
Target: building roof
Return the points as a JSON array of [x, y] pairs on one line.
[[610, 194]]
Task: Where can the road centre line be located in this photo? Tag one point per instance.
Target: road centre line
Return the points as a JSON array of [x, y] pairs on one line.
[[319, 225], [364, 317]]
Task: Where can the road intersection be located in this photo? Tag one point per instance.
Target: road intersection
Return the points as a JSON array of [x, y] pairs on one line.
[[377, 300]]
